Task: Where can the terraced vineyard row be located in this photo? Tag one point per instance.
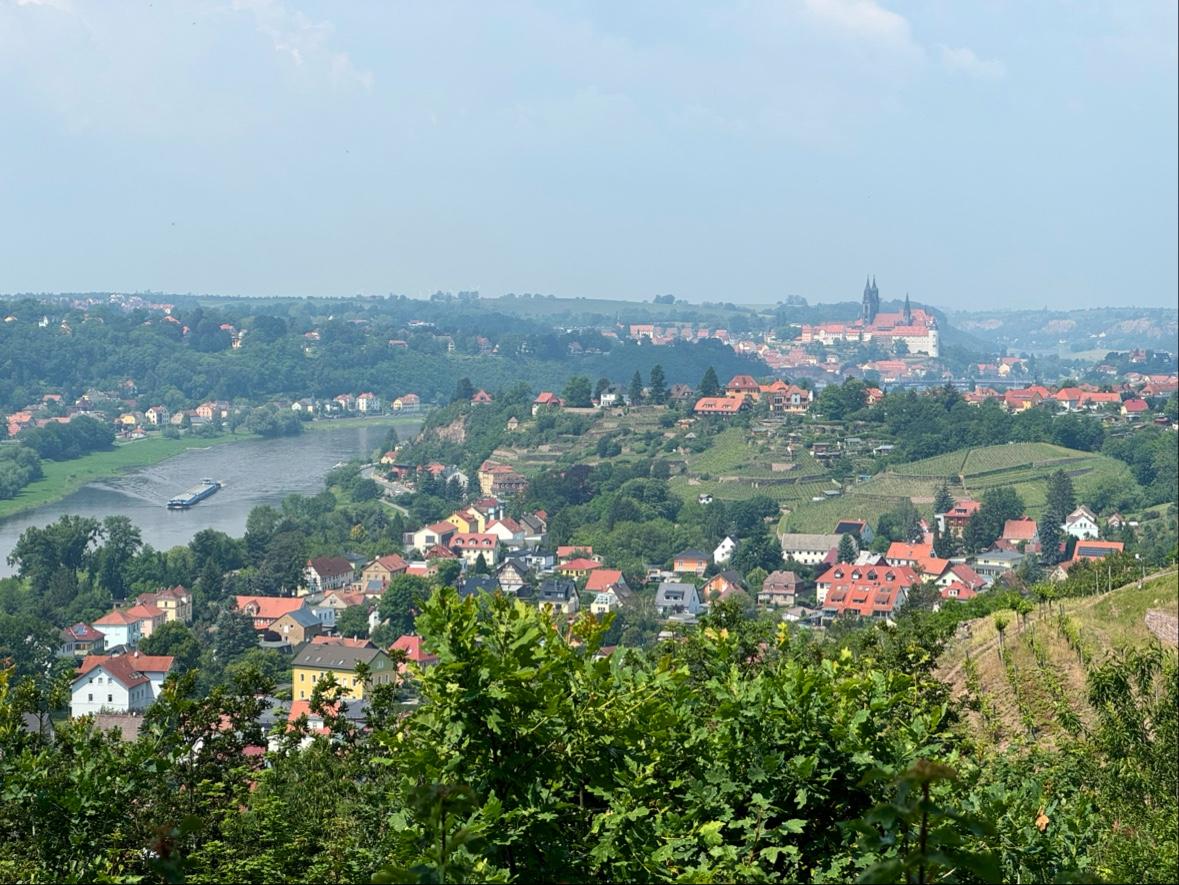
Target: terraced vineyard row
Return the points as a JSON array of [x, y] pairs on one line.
[[1038, 687]]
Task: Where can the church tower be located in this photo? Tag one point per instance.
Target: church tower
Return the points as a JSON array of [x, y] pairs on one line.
[[871, 303], [908, 311]]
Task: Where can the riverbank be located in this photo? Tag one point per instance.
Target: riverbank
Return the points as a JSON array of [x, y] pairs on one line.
[[62, 478]]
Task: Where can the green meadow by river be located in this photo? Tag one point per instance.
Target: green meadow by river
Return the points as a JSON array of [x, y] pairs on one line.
[[62, 478]]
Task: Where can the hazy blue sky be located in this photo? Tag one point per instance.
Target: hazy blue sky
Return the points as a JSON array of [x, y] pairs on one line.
[[987, 153]]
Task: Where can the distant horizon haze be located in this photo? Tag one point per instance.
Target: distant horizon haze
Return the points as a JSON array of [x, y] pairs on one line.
[[984, 155]]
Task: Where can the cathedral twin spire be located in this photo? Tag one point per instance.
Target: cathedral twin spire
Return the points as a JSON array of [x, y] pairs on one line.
[[870, 306]]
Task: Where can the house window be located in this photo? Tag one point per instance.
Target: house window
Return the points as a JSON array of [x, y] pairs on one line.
[[90, 698], [110, 699]]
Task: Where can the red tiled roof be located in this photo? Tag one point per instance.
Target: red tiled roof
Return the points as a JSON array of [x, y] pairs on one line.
[[862, 599], [151, 663], [393, 562], [120, 667], [742, 382], [964, 574], [118, 616], [957, 590], [579, 565], [914, 552], [1097, 549], [964, 509], [411, 644], [81, 633], [347, 597], [602, 579], [271, 607], [474, 541], [1022, 529], [574, 550], [720, 405], [350, 641]]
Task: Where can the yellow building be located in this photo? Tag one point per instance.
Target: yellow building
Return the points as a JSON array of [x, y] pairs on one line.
[[468, 521], [176, 603], [315, 662]]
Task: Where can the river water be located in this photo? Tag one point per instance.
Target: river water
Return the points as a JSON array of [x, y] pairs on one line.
[[252, 472]]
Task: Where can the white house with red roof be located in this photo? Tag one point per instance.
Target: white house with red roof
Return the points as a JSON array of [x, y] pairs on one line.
[[431, 535], [122, 683], [961, 573], [118, 627], [509, 532], [611, 592]]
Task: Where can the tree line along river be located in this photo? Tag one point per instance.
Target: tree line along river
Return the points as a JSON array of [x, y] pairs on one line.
[[252, 472]]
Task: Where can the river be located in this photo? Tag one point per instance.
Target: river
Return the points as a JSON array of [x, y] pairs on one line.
[[253, 472]]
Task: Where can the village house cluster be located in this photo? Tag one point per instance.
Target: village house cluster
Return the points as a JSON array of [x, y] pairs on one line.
[[131, 419], [875, 585]]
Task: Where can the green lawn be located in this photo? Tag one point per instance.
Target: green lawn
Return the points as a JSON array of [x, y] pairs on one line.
[[63, 477], [1024, 467], [1119, 618], [729, 452]]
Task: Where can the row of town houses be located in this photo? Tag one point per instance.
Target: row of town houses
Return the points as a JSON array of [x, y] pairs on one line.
[[495, 552], [875, 585], [130, 418]]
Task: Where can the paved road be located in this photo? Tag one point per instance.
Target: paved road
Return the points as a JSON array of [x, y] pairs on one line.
[[390, 488]]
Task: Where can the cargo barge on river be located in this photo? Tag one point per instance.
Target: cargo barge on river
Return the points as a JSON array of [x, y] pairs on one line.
[[195, 495]]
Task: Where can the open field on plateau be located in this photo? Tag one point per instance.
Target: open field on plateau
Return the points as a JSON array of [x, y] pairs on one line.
[[1037, 690], [738, 466], [968, 472]]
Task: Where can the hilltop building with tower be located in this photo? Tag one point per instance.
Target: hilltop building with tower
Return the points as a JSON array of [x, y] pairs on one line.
[[913, 325]]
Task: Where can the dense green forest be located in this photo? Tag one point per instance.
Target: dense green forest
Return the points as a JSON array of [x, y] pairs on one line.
[[742, 752], [106, 346]]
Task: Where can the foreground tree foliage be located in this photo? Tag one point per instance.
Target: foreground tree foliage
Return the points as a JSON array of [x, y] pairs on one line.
[[743, 752]]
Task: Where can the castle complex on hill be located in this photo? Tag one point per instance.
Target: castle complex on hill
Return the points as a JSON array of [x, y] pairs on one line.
[[914, 326]]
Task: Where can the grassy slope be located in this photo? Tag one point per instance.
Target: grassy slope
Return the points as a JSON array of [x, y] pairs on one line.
[[1023, 466], [1105, 622], [738, 468]]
